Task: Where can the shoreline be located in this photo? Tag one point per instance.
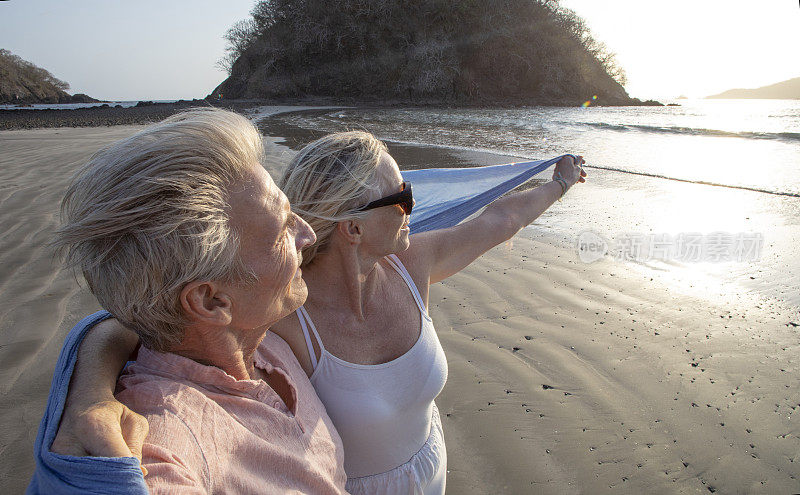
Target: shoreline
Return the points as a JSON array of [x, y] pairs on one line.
[[618, 202], [565, 377], [147, 111], [106, 116]]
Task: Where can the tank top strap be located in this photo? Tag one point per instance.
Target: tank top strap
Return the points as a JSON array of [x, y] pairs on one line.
[[399, 268], [305, 323]]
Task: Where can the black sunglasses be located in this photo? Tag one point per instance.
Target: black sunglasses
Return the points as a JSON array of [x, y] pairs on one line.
[[404, 198]]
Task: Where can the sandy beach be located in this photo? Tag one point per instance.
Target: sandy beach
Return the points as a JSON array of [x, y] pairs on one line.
[[564, 376]]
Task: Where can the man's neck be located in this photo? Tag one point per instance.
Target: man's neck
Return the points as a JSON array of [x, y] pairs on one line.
[[232, 352], [229, 350]]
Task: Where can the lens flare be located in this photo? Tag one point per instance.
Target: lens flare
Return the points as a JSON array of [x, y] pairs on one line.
[[588, 102]]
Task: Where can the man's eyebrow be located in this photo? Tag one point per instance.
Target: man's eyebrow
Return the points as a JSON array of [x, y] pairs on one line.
[[289, 217]]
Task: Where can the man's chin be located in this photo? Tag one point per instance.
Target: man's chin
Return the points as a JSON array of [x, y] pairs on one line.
[[299, 294]]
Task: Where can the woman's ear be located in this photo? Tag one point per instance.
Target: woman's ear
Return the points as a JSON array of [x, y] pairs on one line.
[[351, 230], [205, 302]]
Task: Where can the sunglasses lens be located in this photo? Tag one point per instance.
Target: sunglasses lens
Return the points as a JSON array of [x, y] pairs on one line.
[[404, 199], [408, 201]]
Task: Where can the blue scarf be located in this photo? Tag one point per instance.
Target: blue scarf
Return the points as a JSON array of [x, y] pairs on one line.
[[446, 196], [66, 474]]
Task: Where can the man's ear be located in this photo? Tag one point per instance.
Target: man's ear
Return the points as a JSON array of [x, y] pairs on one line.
[[204, 302], [351, 230]]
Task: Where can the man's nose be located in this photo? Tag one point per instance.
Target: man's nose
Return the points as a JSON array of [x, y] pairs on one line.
[[305, 234]]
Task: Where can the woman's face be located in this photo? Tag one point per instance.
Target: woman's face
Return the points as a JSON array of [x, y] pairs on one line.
[[386, 228]]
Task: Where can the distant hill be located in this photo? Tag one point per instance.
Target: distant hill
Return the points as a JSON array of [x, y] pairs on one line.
[[21, 82], [786, 90], [469, 52]]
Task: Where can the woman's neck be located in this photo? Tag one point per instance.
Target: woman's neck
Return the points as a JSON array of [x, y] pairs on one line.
[[342, 278]]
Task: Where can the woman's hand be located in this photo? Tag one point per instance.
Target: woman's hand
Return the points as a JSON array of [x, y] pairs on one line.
[[441, 253], [101, 429], [93, 423], [570, 170]]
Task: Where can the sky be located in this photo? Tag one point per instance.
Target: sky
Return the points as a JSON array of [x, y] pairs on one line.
[[162, 50], [124, 50], [696, 48]]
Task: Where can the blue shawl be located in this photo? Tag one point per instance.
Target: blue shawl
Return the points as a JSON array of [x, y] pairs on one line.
[[446, 196]]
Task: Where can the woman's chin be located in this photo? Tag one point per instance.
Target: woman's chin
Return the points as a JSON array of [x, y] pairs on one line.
[[404, 241]]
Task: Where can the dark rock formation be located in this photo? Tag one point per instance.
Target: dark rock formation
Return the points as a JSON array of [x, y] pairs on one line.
[[82, 98], [105, 115], [491, 52]]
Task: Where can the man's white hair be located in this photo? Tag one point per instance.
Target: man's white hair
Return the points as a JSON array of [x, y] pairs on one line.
[[149, 214]]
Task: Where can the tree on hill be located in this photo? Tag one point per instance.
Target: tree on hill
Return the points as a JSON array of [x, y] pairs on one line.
[[437, 50], [24, 82]]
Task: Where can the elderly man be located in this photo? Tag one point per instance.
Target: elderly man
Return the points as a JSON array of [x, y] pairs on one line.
[[183, 237]]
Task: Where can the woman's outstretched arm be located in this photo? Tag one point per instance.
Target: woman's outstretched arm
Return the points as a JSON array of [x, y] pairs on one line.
[[442, 253], [94, 423]]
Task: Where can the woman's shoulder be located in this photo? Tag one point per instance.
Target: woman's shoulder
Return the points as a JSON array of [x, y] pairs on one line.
[[415, 259], [418, 269], [288, 329]]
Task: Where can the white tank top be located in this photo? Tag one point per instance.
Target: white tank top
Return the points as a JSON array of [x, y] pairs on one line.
[[382, 411]]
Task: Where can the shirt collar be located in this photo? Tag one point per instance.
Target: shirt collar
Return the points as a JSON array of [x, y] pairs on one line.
[[182, 368]]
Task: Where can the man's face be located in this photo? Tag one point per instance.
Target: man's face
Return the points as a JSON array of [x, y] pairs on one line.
[[271, 237]]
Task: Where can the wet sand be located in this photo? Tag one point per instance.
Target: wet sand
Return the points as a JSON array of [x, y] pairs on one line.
[[582, 378], [565, 377]]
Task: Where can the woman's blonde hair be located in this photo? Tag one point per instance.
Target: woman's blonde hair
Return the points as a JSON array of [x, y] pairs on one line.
[[149, 214], [329, 178]]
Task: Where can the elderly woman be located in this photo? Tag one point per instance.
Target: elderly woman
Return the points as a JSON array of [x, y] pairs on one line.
[[364, 335]]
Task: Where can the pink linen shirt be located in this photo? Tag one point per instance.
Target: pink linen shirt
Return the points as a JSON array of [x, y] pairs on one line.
[[212, 433]]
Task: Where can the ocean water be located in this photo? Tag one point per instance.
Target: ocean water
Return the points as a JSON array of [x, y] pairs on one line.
[[739, 143], [723, 172]]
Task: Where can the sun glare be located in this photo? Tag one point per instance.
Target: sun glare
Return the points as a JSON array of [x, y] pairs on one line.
[[705, 47]]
